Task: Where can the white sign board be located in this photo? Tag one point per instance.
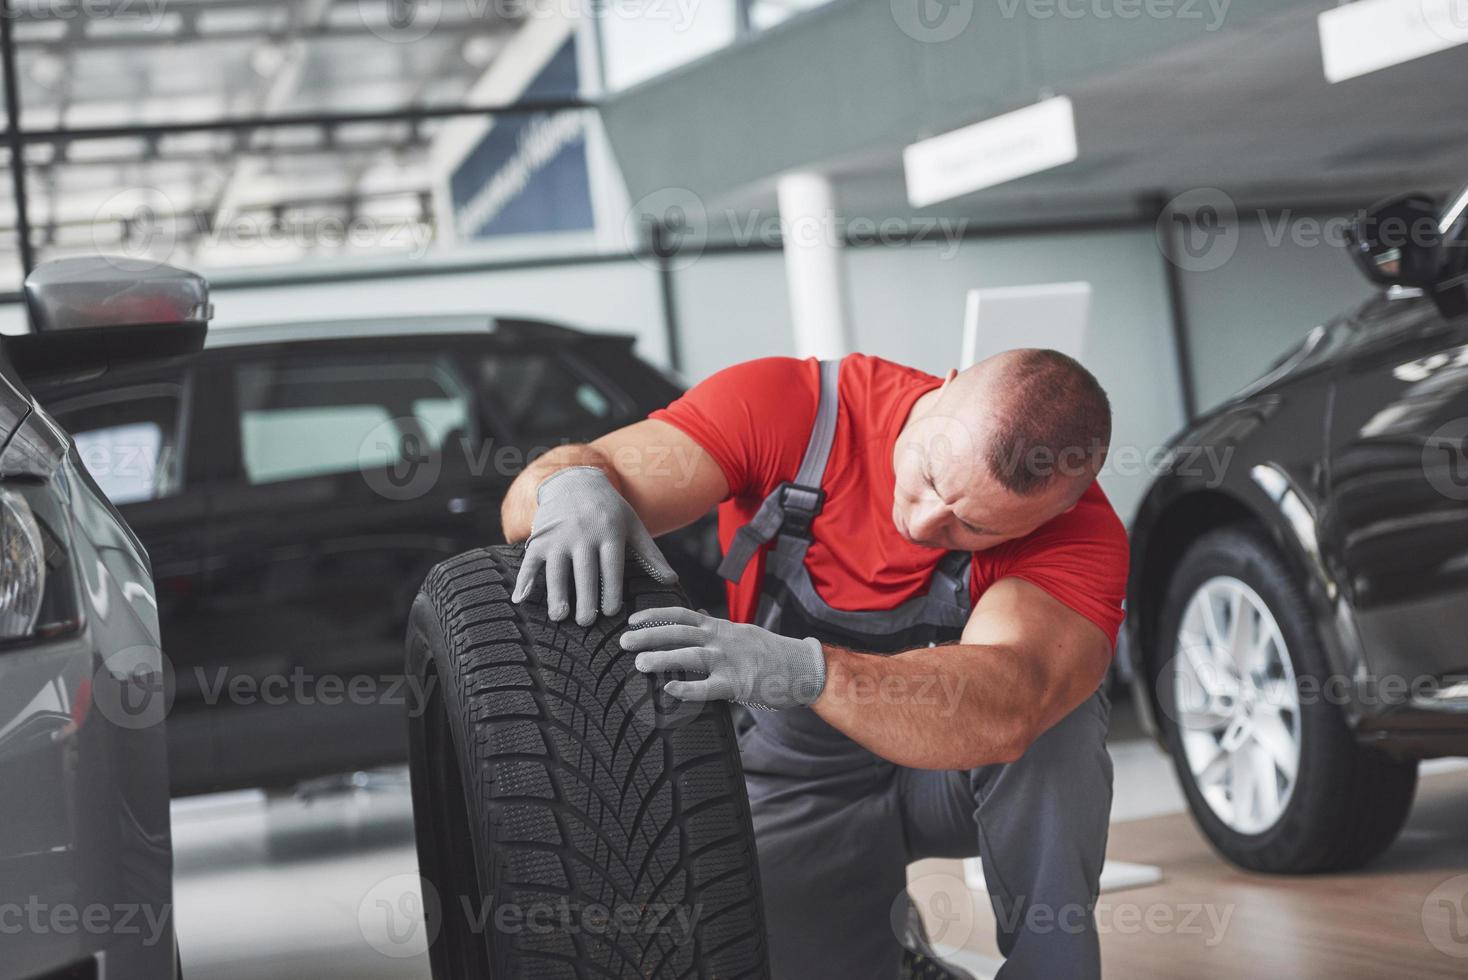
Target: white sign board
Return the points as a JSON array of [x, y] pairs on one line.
[[1054, 315], [991, 152], [1369, 35]]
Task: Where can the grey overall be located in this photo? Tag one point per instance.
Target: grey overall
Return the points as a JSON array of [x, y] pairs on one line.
[[837, 825]]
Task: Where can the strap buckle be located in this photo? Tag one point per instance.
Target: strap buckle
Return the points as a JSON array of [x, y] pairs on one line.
[[801, 504]]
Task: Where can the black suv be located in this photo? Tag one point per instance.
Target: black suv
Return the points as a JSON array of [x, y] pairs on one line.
[[293, 485], [1299, 588]]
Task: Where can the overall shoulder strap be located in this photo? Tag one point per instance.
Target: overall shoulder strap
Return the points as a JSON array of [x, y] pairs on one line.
[[793, 505]]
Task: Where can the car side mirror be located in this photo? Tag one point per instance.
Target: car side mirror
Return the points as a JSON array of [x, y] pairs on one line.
[[94, 313], [1397, 242]]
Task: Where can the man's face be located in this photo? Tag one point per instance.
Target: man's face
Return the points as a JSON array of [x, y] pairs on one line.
[[946, 498]]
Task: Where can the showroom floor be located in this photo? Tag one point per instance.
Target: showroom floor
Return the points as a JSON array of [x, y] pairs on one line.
[[269, 888]]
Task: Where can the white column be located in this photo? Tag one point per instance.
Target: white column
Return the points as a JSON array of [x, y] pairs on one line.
[[813, 265]]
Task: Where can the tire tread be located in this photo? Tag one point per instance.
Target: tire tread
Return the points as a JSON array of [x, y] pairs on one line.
[[590, 783]]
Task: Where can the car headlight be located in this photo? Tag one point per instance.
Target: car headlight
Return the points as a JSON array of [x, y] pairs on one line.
[[22, 567], [36, 595]]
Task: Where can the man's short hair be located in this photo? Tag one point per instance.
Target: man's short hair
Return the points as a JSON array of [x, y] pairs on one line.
[[1053, 422]]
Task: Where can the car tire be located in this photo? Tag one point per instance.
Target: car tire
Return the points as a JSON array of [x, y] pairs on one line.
[[1344, 802], [592, 823]]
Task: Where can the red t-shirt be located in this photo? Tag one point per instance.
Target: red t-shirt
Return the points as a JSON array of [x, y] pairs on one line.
[[755, 420]]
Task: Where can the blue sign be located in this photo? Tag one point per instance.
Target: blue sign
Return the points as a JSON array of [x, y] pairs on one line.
[[528, 175]]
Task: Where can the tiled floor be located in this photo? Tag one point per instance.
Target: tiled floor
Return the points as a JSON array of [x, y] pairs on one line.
[[288, 887]]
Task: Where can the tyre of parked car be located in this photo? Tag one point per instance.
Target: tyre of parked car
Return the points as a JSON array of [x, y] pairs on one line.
[[1270, 767]]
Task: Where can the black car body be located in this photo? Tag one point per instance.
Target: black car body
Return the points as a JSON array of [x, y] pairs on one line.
[[1340, 453], [1346, 466], [85, 850], [295, 483]]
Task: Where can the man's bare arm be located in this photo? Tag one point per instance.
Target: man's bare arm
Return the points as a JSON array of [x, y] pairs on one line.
[[1025, 661], [669, 479]]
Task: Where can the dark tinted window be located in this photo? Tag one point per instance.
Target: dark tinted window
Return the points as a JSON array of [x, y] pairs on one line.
[[128, 440], [317, 416], [537, 394]]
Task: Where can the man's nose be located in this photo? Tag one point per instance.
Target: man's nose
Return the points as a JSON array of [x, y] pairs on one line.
[[927, 520]]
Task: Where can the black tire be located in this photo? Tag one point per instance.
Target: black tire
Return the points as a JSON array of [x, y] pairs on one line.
[[595, 826], [1349, 800]]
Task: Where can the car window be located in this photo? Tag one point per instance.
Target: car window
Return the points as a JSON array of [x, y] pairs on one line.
[[305, 418], [128, 440], [538, 394]]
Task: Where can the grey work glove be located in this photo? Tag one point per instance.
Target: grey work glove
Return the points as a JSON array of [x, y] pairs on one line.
[[583, 531], [744, 663]]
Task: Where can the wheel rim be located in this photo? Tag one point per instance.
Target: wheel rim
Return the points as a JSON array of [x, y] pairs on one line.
[[1238, 707]]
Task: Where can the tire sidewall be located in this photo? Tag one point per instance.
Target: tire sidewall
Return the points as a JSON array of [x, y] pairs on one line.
[[430, 654], [1247, 555]]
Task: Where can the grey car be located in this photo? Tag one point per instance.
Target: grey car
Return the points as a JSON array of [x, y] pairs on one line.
[[85, 851]]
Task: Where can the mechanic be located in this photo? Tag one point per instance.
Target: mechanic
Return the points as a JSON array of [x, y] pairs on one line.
[[927, 587]]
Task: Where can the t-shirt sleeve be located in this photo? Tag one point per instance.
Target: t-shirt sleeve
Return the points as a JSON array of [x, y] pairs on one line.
[[752, 418], [1080, 558]]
